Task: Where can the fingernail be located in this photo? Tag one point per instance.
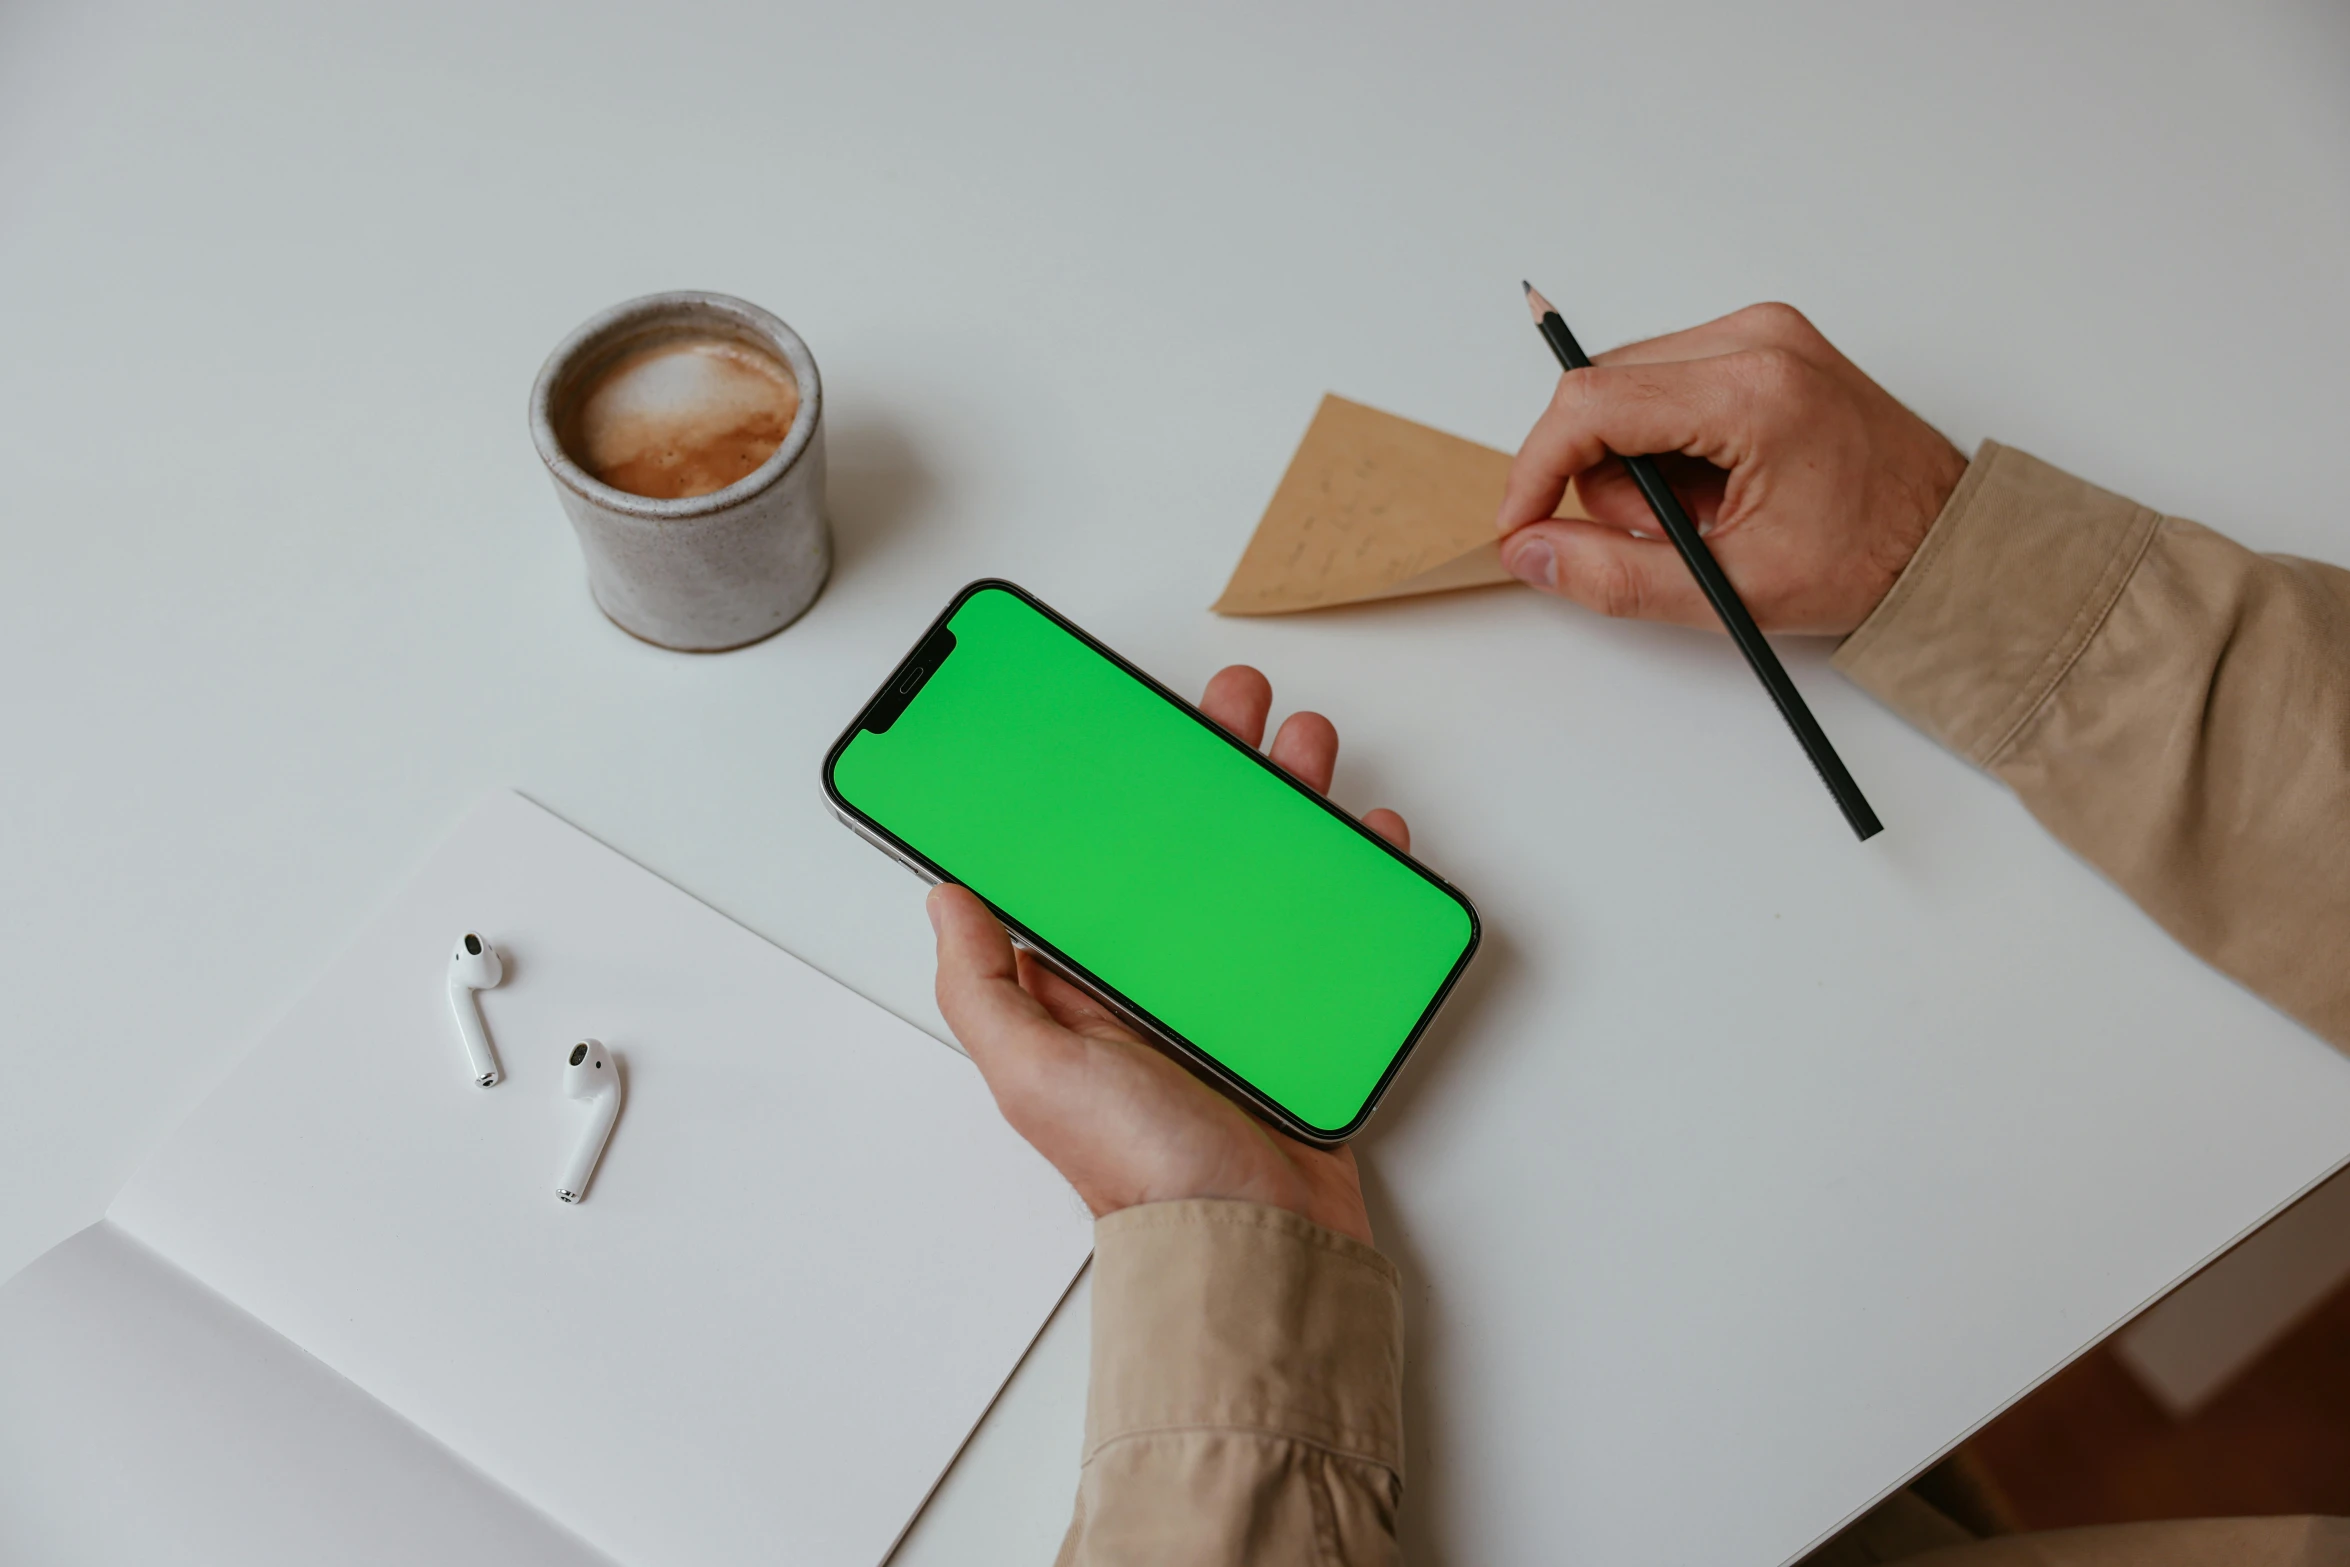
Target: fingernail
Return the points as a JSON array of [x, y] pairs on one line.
[[1535, 563], [930, 907]]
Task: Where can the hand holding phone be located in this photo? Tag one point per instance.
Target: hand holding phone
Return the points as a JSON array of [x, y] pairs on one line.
[[1203, 896], [1115, 1115]]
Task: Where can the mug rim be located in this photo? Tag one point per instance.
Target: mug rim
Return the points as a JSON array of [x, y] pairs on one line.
[[630, 316]]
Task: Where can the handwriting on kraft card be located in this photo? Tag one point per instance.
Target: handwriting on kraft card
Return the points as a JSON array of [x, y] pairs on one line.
[[1372, 507]]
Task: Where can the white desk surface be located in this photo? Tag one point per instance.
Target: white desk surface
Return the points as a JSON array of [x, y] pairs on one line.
[[1751, 1169]]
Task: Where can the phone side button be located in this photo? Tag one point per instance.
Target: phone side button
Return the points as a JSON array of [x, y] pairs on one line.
[[920, 874]]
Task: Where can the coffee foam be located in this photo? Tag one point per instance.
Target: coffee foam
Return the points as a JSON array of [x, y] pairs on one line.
[[684, 417]]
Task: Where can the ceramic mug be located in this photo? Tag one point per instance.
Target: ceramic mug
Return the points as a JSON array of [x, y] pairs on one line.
[[702, 573]]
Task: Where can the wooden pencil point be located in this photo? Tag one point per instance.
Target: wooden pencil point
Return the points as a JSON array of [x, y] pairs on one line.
[[1536, 303]]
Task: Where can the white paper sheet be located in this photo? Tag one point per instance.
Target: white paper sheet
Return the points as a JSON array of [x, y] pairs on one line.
[[145, 1419], [811, 1257]]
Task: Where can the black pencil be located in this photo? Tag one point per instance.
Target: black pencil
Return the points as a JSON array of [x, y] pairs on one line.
[[1722, 596]]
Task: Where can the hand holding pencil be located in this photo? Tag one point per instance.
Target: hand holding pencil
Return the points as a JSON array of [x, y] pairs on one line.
[[1811, 484], [1781, 489]]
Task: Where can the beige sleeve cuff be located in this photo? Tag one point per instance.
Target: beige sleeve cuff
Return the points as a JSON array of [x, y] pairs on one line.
[[2008, 588], [1233, 1316]]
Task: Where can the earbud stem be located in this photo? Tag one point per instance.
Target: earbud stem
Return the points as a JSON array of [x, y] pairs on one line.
[[465, 1002], [603, 1111]]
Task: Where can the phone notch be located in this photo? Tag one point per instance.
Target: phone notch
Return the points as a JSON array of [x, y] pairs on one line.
[[907, 682]]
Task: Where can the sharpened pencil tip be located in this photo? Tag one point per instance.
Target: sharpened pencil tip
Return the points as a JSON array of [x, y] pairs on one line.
[[1536, 303]]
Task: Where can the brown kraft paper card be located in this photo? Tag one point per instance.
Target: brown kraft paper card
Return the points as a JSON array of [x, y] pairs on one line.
[[1373, 507]]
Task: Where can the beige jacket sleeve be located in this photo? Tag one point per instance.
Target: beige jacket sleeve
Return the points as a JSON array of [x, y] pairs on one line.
[[1247, 1395], [2171, 705]]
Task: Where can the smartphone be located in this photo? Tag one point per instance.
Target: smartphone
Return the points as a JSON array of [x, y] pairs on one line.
[[1197, 890]]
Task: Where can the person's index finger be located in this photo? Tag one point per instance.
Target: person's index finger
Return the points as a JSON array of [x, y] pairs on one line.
[[1694, 406], [1769, 325], [1698, 342], [1773, 326]]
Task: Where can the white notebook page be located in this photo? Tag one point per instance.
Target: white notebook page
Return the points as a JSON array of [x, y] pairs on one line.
[[811, 1257]]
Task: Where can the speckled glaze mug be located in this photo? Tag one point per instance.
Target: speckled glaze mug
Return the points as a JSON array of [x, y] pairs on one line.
[[702, 573]]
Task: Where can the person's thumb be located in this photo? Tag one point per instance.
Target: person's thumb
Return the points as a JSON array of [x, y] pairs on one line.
[[979, 990], [1607, 570]]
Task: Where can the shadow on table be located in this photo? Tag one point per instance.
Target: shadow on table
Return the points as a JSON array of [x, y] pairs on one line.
[[1424, 1524], [1454, 1037], [1428, 1328], [875, 481]]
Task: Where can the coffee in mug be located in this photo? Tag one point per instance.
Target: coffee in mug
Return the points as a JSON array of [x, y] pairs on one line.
[[684, 417]]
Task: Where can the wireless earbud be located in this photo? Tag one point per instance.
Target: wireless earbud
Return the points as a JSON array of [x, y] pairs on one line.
[[588, 1074], [473, 968]]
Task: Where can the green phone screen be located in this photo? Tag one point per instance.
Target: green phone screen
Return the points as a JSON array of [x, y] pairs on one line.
[[1168, 862]]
